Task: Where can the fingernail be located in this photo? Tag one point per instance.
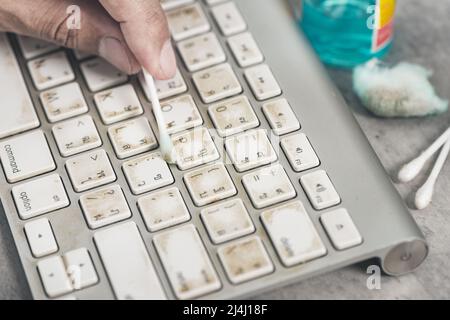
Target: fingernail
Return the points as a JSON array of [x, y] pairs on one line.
[[113, 51], [167, 61]]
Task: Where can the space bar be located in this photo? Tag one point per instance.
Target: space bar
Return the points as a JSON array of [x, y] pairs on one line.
[[127, 263]]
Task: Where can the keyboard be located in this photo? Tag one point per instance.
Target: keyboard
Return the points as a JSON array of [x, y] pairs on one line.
[[273, 183]]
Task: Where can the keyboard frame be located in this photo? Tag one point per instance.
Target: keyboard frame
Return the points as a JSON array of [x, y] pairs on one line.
[[388, 230]]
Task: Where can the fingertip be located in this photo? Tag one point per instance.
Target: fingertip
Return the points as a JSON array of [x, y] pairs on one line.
[[167, 61], [116, 53]]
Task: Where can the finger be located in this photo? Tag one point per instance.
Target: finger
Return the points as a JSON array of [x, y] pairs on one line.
[[144, 26], [51, 20]]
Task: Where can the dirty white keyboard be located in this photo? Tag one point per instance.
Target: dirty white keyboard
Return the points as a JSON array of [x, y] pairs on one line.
[[257, 197]]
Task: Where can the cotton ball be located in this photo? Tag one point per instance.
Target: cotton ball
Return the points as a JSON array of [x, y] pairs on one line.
[[401, 91]]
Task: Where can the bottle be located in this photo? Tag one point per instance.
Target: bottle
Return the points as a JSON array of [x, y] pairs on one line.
[[347, 33]]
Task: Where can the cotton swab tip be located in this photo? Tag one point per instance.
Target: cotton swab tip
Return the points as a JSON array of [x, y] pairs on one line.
[[424, 196], [167, 149], [410, 170]]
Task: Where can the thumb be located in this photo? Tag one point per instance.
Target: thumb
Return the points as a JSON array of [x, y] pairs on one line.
[[80, 24]]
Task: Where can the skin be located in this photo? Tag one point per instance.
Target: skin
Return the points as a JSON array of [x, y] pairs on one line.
[[130, 34]]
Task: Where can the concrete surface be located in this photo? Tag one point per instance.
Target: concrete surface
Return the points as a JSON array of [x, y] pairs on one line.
[[422, 37]]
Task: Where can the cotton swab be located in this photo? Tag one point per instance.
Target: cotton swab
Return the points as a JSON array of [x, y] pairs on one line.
[[425, 193], [410, 170], [165, 141]]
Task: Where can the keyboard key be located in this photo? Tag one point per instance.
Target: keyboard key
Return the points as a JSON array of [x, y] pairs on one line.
[[187, 21], [100, 74], [165, 88], [194, 148], [63, 102], [26, 156], [76, 135], [233, 116], [90, 170], [320, 190], [170, 4], [186, 262], [104, 206], [147, 173], [40, 196], [262, 82], [54, 276], [180, 114], [281, 117], [245, 50], [118, 104], [51, 70], [40, 237], [299, 152], [132, 137], [33, 47], [163, 209], [341, 229], [227, 220], [129, 268], [245, 260], [201, 52], [18, 114], [268, 186], [228, 18], [249, 150], [209, 184], [217, 83], [80, 268], [293, 234]]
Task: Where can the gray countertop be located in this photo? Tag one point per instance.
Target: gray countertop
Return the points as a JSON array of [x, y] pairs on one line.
[[422, 37]]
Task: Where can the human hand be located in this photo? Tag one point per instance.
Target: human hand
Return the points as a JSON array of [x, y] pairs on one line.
[[127, 33]]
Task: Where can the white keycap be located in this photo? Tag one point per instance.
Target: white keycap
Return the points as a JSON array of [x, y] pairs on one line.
[[32, 47], [132, 137], [104, 206], [281, 117], [299, 152], [320, 190], [165, 88], [118, 104], [180, 114], [249, 150], [186, 262], [341, 229], [63, 102], [194, 148], [146, 173], [187, 21], [262, 82], [233, 116], [209, 184], [100, 74], [228, 18], [201, 52], [54, 276], [245, 259], [80, 55], [76, 135], [40, 196], [90, 170], [163, 209], [17, 111], [293, 234], [26, 156], [245, 49], [217, 83], [127, 263], [268, 186], [40, 237], [80, 268], [227, 220], [51, 70], [170, 4]]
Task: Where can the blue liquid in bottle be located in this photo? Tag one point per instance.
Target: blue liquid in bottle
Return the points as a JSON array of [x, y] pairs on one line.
[[342, 31]]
